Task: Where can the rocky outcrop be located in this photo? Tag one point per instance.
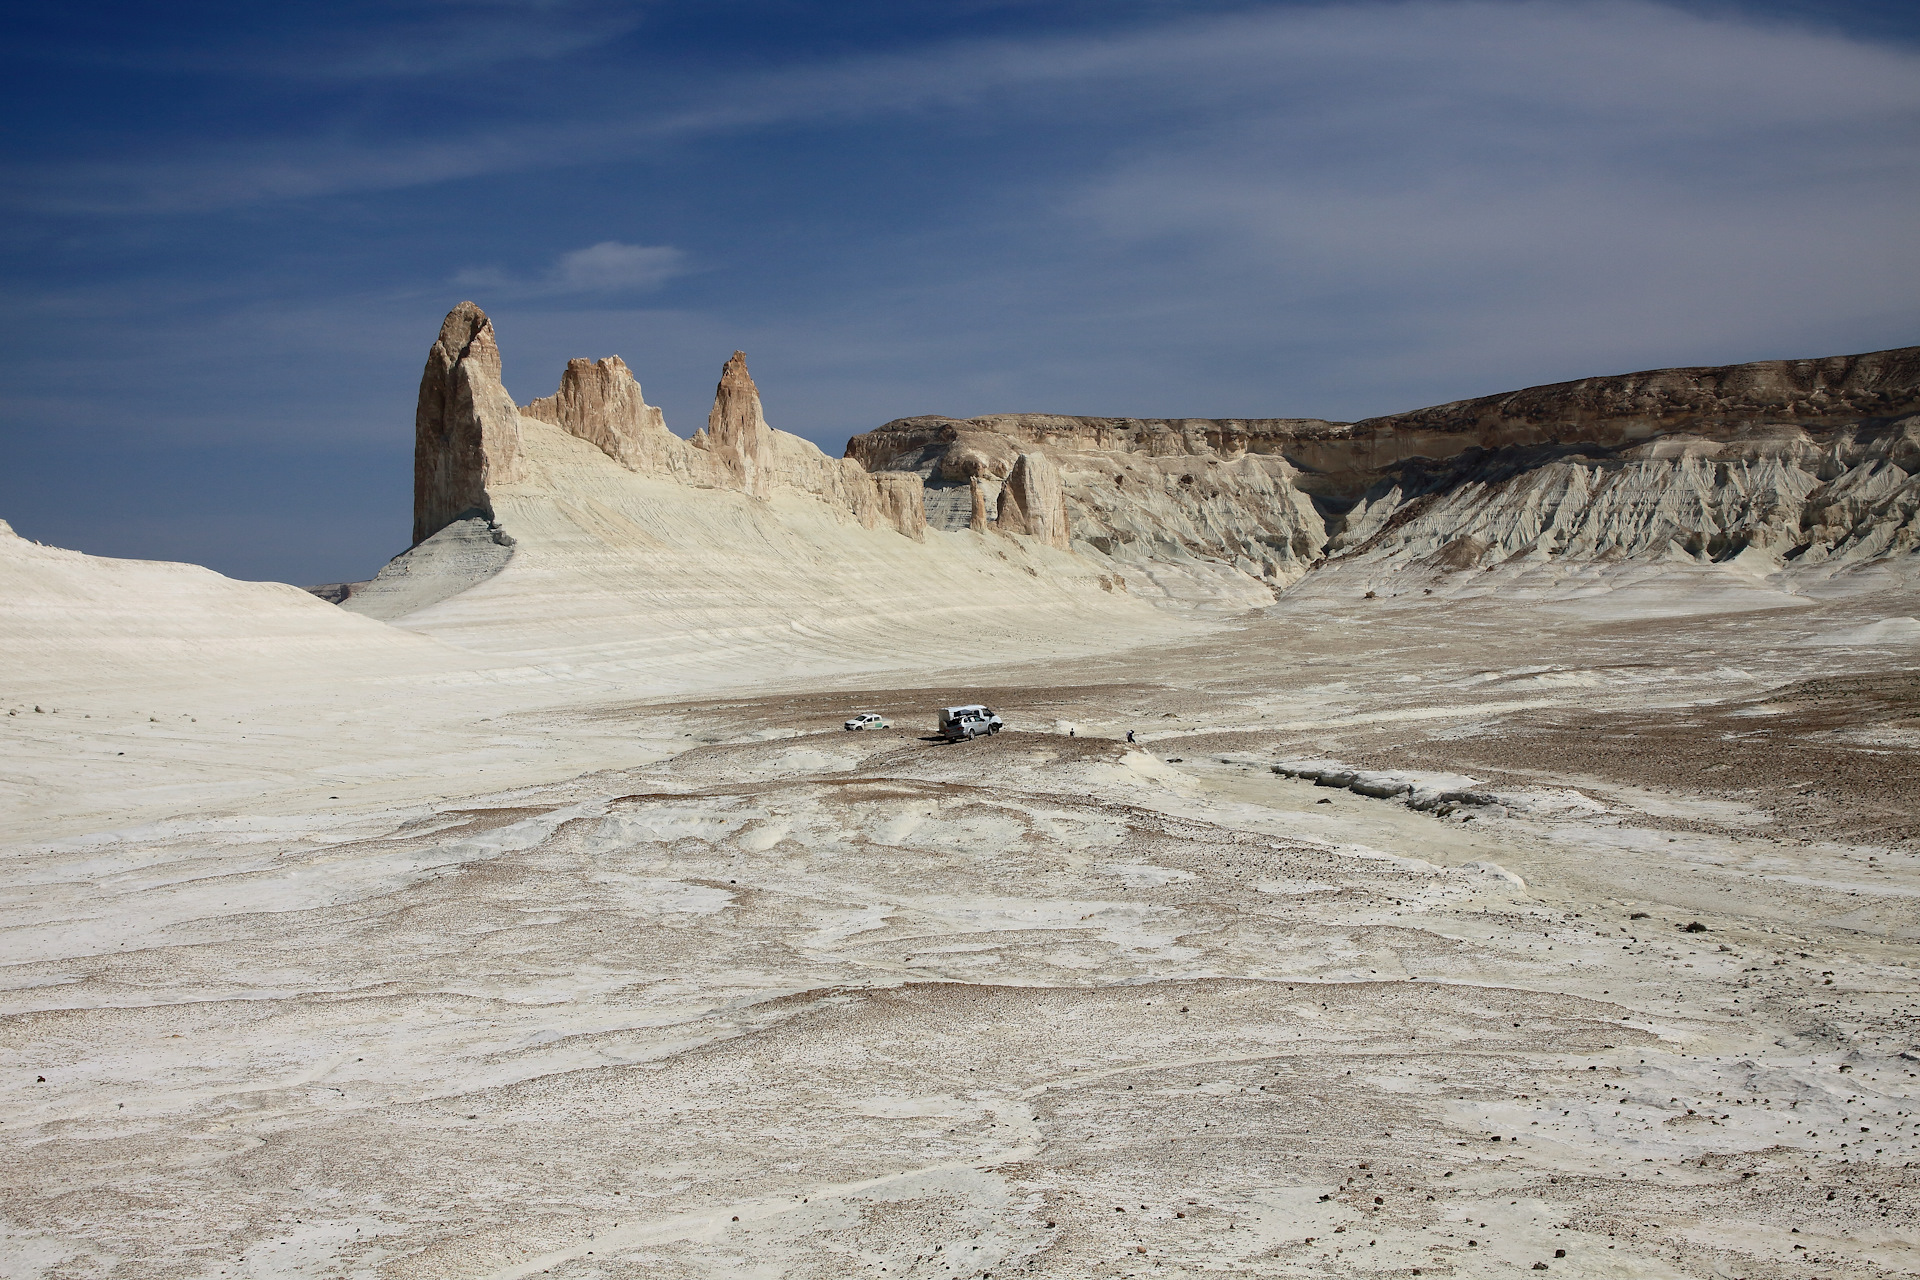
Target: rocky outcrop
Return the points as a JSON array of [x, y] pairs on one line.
[[956, 449], [1797, 462], [1718, 403], [333, 592], [1033, 502], [737, 434], [457, 558], [1784, 409], [466, 431], [902, 503], [1343, 459], [1779, 463], [600, 402], [468, 437], [1202, 508], [1777, 498]]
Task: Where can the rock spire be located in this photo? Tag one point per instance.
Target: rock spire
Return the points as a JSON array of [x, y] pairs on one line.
[[1033, 501], [466, 432], [737, 432], [470, 441]]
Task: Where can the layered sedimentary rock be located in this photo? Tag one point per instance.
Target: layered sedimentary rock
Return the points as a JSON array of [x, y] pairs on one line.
[[1802, 463], [1790, 497], [600, 402], [468, 435], [902, 503], [1796, 464], [1719, 403], [1785, 462], [1203, 511], [737, 434], [466, 430], [612, 546], [1033, 501]]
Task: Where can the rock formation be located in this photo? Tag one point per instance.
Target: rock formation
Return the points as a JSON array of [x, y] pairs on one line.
[[1800, 463], [579, 533], [600, 402], [468, 436], [466, 431], [1033, 502], [1719, 403], [1788, 497], [736, 432], [1204, 509], [902, 503]]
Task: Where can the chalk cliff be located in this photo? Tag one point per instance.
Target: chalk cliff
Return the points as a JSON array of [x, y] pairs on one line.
[[1203, 511], [1033, 501], [1798, 463], [580, 529], [468, 437], [1805, 466], [466, 431]]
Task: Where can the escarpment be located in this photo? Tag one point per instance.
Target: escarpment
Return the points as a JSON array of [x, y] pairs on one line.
[[1795, 466], [1203, 510], [1782, 462], [468, 437], [1795, 463], [578, 533]]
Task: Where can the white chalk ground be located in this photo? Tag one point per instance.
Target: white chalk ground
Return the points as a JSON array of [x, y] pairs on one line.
[[448, 951], [167, 687]]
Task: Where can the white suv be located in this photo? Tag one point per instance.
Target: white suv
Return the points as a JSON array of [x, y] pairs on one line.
[[971, 721], [869, 720]]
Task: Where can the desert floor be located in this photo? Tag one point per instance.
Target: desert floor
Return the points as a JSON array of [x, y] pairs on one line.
[[754, 996]]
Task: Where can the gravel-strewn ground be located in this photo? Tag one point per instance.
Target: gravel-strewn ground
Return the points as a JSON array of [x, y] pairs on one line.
[[792, 1001]]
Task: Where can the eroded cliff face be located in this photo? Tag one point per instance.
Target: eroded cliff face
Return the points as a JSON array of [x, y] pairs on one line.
[[1786, 497], [466, 430], [1033, 501], [1791, 463], [1780, 464], [1797, 463], [600, 402], [468, 436], [1206, 511], [737, 434], [578, 532], [1718, 403]]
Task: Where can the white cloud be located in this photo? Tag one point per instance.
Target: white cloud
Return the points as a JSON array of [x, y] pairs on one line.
[[1548, 72], [614, 267], [609, 267], [1506, 189], [1338, 209], [380, 42]]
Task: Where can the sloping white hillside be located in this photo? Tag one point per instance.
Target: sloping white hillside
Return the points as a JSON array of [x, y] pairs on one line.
[[581, 535], [629, 575]]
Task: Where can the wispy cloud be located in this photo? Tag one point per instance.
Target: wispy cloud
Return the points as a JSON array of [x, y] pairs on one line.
[[604, 268], [388, 41], [1335, 209], [1416, 68], [610, 267]]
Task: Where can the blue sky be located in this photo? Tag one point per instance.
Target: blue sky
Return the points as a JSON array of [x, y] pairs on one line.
[[232, 229]]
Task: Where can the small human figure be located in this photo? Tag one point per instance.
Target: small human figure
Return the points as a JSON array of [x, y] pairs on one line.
[[1129, 735], [1073, 733]]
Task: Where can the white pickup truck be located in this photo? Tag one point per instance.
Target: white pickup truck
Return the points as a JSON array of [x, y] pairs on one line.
[[971, 721], [869, 720]]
